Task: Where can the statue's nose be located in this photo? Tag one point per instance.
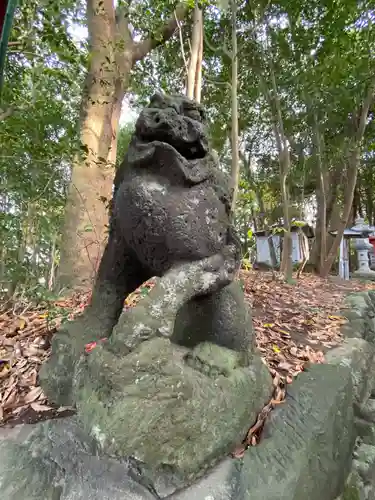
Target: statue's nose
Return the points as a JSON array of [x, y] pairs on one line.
[[165, 116]]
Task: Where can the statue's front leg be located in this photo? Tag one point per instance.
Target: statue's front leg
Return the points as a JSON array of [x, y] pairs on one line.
[[156, 314]]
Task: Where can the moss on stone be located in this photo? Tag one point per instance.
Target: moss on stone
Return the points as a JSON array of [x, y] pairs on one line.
[[351, 493]]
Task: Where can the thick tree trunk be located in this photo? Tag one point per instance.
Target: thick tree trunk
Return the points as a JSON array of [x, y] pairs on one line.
[[320, 233], [348, 201], [86, 216], [369, 205], [358, 208], [113, 52]]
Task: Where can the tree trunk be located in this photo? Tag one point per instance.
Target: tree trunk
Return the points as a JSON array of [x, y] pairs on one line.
[[86, 216], [321, 223], [369, 204], [52, 268], [273, 99], [194, 76], [272, 251], [235, 169], [286, 265], [198, 72], [356, 206], [113, 53], [348, 201]]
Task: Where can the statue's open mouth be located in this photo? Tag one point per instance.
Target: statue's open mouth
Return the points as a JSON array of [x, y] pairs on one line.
[[190, 152]]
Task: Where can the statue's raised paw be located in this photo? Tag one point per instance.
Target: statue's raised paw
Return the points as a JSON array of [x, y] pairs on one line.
[[218, 271]]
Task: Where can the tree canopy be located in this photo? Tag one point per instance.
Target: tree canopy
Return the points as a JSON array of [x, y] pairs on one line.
[[305, 95]]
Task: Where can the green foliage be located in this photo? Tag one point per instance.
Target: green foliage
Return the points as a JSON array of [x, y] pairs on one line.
[[321, 54], [123, 141], [42, 85]]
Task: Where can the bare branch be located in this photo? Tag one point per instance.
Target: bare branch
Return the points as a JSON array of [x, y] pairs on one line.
[[223, 49], [211, 47], [181, 42], [369, 99], [5, 114], [217, 82], [144, 47]]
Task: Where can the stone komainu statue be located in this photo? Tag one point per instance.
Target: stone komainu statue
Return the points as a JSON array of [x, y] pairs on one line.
[[171, 205]]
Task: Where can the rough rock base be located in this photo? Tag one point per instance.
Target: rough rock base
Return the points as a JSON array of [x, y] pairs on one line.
[[310, 436]]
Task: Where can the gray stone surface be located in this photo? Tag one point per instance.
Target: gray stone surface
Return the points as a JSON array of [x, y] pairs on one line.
[[305, 454], [358, 355], [179, 380], [152, 404], [360, 311], [306, 451], [369, 276], [171, 205], [56, 461], [368, 410], [220, 312], [360, 484], [155, 315]]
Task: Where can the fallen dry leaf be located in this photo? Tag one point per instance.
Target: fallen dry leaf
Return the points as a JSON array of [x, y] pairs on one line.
[[38, 407], [33, 395]]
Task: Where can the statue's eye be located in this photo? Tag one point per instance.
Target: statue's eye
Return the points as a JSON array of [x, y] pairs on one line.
[[194, 114]]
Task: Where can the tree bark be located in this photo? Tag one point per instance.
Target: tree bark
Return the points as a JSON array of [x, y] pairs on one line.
[[113, 53], [369, 205], [286, 265], [194, 77], [198, 72]]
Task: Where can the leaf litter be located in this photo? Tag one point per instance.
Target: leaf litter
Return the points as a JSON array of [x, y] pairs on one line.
[[294, 324]]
